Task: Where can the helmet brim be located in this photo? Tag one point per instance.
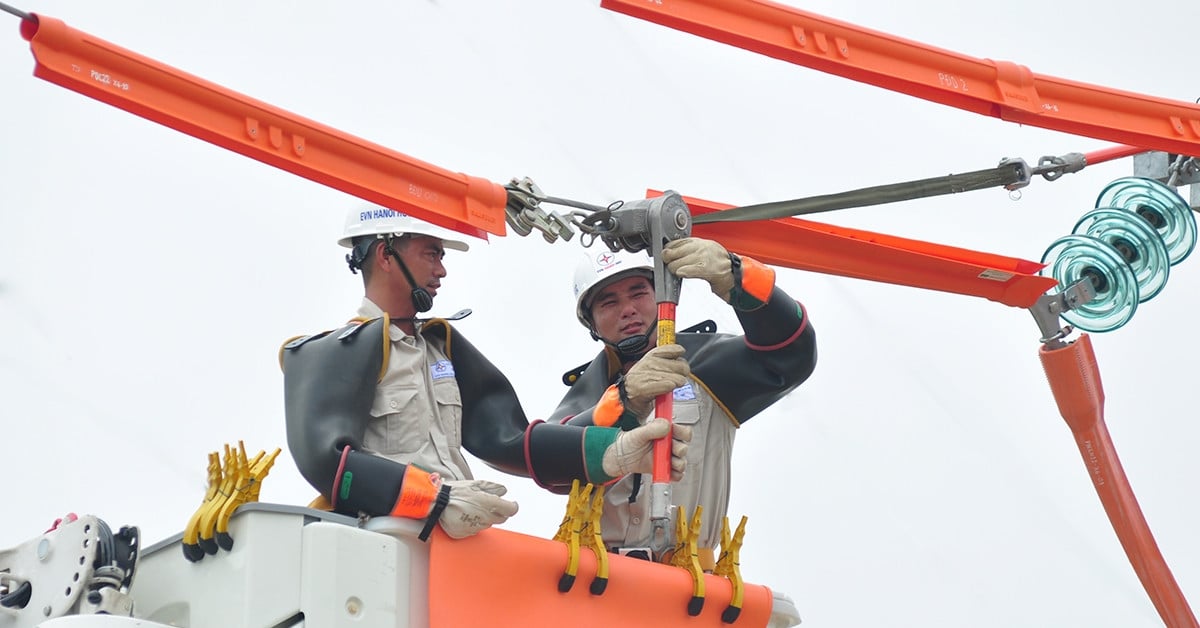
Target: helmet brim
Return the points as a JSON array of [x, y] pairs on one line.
[[457, 245]]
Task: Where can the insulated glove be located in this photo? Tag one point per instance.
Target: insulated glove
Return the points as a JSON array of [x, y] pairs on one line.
[[475, 505], [697, 258], [632, 452], [660, 371], [743, 282]]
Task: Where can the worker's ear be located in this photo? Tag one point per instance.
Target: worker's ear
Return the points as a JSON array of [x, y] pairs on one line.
[[383, 257]]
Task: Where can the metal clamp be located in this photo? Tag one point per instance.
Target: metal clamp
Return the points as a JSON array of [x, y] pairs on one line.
[[523, 212], [636, 225], [1052, 168], [1050, 307], [1024, 173], [1168, 168]]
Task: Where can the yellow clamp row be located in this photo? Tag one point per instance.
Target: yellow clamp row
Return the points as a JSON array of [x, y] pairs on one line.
[[580, 528], [235, 482], [686, 555]]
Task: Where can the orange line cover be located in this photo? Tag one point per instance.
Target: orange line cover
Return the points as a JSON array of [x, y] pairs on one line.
[[96, 68], [822, 248], [502, 578], [1000, 89]]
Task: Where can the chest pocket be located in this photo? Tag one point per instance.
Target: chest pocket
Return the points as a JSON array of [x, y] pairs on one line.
[[398, 423], [449, 405], [688, 412]]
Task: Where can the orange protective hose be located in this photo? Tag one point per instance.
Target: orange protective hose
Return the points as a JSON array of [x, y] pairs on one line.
[[1075, 380]]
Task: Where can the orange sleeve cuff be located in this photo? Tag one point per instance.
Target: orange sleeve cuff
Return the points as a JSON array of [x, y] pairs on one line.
[[417, 494], [758, 279], [609, 408]]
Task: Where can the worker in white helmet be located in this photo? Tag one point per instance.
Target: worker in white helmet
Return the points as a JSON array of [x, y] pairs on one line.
[[379, 411], [730, 379]]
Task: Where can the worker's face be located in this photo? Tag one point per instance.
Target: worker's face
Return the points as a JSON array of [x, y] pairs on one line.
[[625, 308], [423, 256]]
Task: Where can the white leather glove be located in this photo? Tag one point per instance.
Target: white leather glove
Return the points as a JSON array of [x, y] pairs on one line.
[[660, 371], [697, 258], [475, 505], [632, 452]]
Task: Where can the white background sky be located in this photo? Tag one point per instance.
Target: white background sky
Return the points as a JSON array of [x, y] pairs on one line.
[[921, 477]]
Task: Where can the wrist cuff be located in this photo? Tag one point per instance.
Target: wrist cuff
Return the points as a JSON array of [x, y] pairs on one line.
[[753, 282], [596, 441], [417, 492], [439, 506]]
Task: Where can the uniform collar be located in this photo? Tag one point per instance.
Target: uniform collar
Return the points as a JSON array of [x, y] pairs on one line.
[[368, 309]]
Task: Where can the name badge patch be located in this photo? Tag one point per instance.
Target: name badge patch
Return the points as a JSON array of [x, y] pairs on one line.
[[441, 369], [685, 392]]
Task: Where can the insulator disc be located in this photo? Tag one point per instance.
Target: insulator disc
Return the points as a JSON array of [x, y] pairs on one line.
[[1074, 258], [1135, 241], [1161, 206]]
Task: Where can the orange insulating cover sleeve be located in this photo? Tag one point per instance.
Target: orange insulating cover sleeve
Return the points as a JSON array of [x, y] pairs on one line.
[[1112, 152], [664, 404], [502, 578], [129, 81], [823, 248], [1075, 381], [1000, 89]]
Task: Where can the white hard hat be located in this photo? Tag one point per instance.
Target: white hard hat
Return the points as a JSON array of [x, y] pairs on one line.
[[598, 269], [378, 221]]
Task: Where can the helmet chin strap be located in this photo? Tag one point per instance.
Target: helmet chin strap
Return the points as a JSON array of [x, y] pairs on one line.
[[421, 299], [629, 349]]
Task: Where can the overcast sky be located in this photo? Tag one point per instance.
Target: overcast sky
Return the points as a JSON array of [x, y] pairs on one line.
[[921, 477]]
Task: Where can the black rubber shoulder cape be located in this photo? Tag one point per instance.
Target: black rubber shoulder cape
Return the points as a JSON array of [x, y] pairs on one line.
[[493, 422], [329, 385]]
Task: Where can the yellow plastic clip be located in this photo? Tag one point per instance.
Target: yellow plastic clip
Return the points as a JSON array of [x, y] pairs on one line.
[[729, 566], [591, 537], [569, 532], [233, 473], [230, 484], [259, 472], [245, 490], [580, 527], [191, 532], [686, 555]]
